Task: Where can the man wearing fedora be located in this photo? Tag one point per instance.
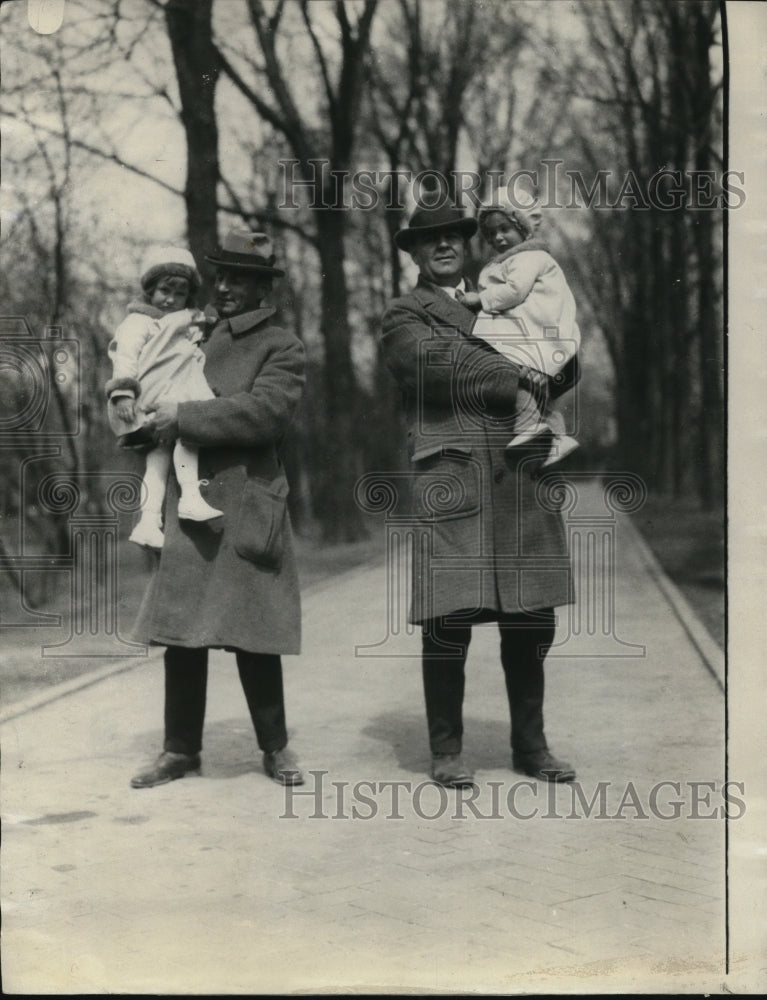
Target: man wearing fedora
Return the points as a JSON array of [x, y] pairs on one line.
[[487, 550], [232, 584]]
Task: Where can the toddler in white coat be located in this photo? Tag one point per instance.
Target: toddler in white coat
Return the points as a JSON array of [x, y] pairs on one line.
[[527, 313], [156, 357]]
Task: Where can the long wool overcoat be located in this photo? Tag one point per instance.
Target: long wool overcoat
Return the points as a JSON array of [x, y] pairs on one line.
[[233, 583], [486, 542]]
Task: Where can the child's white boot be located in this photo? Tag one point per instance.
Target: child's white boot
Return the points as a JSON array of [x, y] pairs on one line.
[[561, 445], [534, 443], [193, 507], [191, 504], [148, 531], [534, 435]]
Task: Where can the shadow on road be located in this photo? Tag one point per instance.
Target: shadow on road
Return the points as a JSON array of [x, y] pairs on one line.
[[229, 748], [486, 742]]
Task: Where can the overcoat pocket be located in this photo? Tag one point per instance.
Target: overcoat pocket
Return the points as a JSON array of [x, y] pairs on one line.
[[260, 532], [446, 483]]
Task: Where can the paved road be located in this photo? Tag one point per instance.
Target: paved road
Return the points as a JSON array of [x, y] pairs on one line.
[[224, 883]]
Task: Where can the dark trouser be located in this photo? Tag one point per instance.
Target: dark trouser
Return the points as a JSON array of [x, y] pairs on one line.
[[525, 641], [186, 680]]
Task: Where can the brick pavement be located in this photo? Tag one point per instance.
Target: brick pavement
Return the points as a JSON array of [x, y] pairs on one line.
[[224, 884]]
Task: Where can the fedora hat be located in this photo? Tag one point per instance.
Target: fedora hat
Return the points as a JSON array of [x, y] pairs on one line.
[[429, 221], [246, 251]]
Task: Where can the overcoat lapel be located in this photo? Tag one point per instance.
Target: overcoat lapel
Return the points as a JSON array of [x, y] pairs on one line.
[[443, 307]]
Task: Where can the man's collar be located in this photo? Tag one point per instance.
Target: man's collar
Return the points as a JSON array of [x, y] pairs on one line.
[[424, 284], [452, 289], [238, 325]]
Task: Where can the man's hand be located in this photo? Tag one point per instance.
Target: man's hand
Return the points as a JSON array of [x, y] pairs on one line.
[[536, 383], [163, 422], [469, 299], [125, 408]]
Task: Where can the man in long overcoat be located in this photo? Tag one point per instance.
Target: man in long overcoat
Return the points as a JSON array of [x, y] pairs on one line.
[[488, 550], [231, 585]]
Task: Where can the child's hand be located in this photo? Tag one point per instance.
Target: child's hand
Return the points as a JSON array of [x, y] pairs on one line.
[[125, 408], [469, 299], [538, 380], [201, 325]]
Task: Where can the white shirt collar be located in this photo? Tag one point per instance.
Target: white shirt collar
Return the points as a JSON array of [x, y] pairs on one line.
[[450, 290]]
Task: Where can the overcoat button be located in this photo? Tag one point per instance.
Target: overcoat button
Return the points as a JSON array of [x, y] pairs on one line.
[[498, 476]]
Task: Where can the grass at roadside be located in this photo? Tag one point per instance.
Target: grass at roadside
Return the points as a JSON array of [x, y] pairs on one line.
[[318, 562], [689, 545], [25, 670]]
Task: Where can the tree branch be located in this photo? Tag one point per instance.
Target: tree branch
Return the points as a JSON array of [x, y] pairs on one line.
[[274, 20], [290, 124], [247, 215], [320, 59], [110, 157]]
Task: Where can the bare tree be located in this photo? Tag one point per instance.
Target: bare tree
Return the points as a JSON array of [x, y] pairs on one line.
[[42, 285], [330, 139], [196, 62], [652, 101]]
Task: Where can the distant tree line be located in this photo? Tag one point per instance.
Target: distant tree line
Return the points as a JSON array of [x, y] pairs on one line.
[[632, 88]]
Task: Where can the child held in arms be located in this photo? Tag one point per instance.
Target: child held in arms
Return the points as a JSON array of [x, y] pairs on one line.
[[526, 311], [156, 357]]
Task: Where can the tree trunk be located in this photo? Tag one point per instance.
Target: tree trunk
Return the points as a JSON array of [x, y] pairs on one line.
[[710, 485], [393, 217], [337, 472], [679, 258], [711, 468], [196, 62]]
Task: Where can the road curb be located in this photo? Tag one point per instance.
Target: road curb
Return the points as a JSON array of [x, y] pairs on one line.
[[42, 698], [707, 648], [66, 688]]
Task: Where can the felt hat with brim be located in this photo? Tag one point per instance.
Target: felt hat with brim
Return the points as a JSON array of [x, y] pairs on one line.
[[245, 251], [432, 221]]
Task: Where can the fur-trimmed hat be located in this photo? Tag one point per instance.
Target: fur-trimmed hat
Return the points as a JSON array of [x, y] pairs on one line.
[[516, 214], [174, 262]]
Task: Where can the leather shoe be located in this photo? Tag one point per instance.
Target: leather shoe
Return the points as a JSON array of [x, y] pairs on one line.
[[542, 764], [450, 770], [282, 767], [167, 767]]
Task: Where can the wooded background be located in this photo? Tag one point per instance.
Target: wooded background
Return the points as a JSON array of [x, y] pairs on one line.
[[144, 121]]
